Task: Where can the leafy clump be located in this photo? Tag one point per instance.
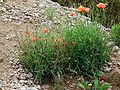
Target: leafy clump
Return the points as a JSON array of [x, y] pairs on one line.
[[115, 33], [96, 84], [90, 51], [77, 49]]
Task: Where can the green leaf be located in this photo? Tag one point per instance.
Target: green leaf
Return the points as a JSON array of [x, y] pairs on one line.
[[57, 86], [104, 87], [100, 73], [96, 84], [84, 84], [99, 88], [78, 84]]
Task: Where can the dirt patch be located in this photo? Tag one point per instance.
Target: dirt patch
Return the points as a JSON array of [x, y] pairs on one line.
[[15, 17]]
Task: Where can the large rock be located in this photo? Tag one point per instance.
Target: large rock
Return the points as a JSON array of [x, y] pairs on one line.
[[116, 49]]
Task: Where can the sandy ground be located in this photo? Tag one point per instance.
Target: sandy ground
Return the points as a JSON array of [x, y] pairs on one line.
[[8, 45]]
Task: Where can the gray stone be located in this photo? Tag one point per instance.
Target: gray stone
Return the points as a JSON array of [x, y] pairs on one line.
[[42, 6], [107, 69], [110, 44], [11, 74], [23, 88], [23, 81], [118, 63], [119, 52], [36, 14], [10, 62], [3, 9], [32, 88], [29, 75], [116, 49]]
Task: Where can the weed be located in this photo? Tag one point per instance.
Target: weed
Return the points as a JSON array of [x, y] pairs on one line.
[[115, 34]]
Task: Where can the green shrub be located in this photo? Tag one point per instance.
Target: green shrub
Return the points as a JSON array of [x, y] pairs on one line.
[[115, 33], [78, 49], [43, 56], [90, 51]]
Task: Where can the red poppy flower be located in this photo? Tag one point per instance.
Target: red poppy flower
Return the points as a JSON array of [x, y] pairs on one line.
[[81, 8], [103, 78], [58, 40], [87, 10], [45, 31], [34, 39], [73, 43], [27, 33], [66, 43], [101, 5], [71, 14]]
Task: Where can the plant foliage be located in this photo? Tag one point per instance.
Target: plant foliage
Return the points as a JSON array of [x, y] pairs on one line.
[[115, 33]]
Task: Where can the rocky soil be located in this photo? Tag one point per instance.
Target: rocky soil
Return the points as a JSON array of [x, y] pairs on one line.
[[17, 16]]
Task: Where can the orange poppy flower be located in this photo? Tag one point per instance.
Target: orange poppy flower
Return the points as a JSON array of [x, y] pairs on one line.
[[87, 10], [45, 31], [58, 40], [81, 8], [101, 5], [66, 43], [27, 33], [73, 43], [34, 39], [71, 14]]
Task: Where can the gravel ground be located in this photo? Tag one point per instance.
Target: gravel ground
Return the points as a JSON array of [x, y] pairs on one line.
[[16, 16]]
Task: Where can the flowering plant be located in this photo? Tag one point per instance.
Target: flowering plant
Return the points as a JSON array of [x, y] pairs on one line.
[[65, 48]]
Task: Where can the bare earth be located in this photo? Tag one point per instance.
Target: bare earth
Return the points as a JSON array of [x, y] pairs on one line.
[[8, 45], [17, 16]]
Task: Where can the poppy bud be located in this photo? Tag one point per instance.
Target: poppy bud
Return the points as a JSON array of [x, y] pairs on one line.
[[71, 14], [45, 31], [27, 33], [34, 39], [73, 43], [66, 43]]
